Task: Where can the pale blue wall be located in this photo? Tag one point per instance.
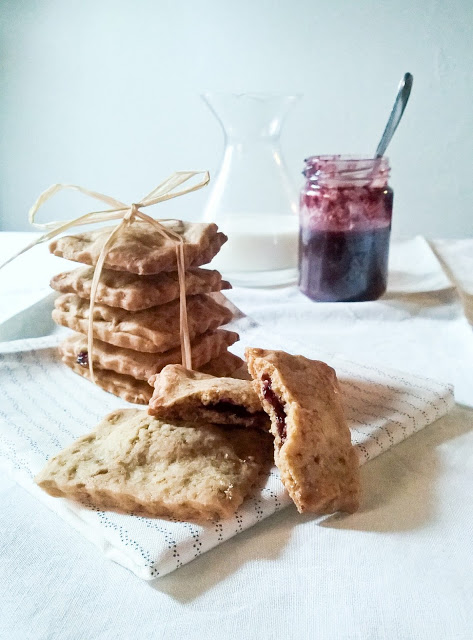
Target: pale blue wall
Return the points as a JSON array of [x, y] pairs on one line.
[[105, 94]]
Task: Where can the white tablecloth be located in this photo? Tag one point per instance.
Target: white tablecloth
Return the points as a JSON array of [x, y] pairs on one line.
[[399, 568]]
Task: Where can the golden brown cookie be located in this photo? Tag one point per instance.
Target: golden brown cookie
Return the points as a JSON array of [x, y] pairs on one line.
[[132, 292], [312, 444], [141, 249], [141, 365], [180, 394], [125, 387], [131, 389], [226, 364], [132, 462], [152, 330]]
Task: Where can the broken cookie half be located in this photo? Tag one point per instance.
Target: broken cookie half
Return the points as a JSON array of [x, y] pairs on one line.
[[133, 462], [180, 394], [312, 443]]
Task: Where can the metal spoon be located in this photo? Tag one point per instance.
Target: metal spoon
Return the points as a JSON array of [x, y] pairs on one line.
[[403, 93]]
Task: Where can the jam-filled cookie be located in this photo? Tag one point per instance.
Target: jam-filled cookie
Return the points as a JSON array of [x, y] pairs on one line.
[[312, 444]]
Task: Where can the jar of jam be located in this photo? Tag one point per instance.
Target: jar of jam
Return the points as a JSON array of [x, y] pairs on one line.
[[345, 224]]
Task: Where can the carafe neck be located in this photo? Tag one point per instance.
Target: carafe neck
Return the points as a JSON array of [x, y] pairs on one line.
[[248, 118]]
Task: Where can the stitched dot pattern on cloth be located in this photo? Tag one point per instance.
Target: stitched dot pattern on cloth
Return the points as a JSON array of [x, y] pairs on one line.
[[44, 407]]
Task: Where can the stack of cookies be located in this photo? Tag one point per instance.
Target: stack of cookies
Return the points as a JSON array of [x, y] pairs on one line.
[[136, 318]]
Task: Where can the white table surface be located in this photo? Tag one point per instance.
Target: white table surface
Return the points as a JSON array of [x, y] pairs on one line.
[[399, 568]]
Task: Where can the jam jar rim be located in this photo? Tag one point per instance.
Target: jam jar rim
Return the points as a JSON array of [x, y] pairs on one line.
[[346, 157], [345, 169]]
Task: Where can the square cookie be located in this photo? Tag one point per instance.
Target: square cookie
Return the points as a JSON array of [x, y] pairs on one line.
[[152, 330], [139, 391], [133, 462], [122, 386], [132, 292], [142, 365], [141, 249]]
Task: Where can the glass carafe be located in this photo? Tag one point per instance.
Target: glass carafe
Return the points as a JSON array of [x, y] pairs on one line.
[[252, 198]]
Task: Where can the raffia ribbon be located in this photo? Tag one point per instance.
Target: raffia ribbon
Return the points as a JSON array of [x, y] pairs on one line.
[[127, 215]]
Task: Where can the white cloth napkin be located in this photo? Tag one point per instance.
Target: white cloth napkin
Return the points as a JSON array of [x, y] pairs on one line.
[[418, 326], [44, 407]]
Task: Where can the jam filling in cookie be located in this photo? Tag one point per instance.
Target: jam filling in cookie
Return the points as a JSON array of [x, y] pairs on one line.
[[83, 359], [180, 394], [278, 406], [227, 406]]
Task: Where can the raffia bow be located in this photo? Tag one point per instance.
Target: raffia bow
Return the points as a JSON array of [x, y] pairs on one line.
[[127, 214]]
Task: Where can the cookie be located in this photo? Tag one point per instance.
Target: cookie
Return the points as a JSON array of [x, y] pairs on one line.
[[131, 389], [125, 387], [152, 330], [141, 249], [224, 365], [180, 394], [132, 292], [142, 365], [312, 445], [133, 462]]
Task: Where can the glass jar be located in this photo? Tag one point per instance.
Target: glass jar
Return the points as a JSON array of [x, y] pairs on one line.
[[344, 228]]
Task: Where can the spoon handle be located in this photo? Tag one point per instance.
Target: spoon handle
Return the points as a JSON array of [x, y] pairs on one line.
[[400, 103]]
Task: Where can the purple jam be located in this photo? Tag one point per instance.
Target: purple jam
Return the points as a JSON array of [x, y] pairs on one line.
[[345, 224], [343, 266], [83, 359], [227, 406], [275, 402]]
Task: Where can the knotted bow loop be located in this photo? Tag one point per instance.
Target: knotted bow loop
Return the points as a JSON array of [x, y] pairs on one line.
[[127, 215]]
